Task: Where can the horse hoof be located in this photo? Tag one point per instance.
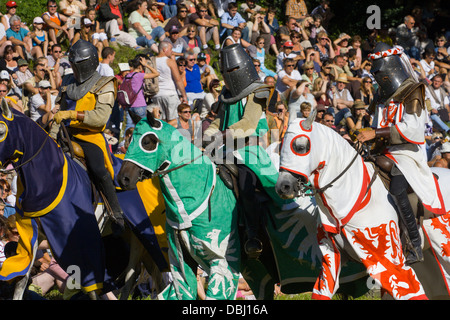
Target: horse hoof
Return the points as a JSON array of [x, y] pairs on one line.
[[253, 248]]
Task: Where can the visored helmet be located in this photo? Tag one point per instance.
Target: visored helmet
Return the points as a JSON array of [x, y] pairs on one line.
[[388, 70], [237, 69], [83, 57]]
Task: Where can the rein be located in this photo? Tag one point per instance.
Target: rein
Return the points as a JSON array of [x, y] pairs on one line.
[[330, 184]]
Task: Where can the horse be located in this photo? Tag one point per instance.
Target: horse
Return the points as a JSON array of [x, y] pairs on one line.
[[358, 216], [55, 199], [205, 230]]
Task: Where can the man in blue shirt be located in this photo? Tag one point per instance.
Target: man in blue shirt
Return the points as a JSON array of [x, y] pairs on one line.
[[19, 37], [194, 88], [232, 19]]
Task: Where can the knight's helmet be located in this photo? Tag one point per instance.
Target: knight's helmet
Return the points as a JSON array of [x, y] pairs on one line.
[[83, 57], [388, 70], [237, 69]]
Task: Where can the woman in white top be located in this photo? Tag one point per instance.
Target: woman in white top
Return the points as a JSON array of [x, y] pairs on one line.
[[235, 37]]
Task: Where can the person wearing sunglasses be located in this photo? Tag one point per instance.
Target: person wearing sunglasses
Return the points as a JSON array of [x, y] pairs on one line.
[[55, 23], [207, 27], [180, 21]]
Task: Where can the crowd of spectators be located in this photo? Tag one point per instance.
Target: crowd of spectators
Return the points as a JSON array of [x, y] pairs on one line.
[[175, 42]]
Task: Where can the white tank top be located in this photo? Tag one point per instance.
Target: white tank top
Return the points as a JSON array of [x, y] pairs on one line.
[[166, 84]]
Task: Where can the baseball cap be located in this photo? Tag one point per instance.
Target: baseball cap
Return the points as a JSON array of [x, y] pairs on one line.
[[201, 56], [22, 62], [174, 29], [4, 75], [38, 20], [288, 44], [44, 84], [445, 148], [87, 22], [11, 4]]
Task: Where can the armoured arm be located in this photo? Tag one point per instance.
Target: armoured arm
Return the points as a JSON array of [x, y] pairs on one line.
[[252, 114]]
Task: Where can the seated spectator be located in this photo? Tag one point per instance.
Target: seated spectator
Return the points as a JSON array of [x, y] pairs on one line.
[[22, 74], [287, 77], [207, 27], [319, 91], [42, 104], [11, 10], [356, 43], [235, 37], [9, 60], [296, 9], [299, 93], [406, 37], [180, 21], [73, 10], [41, 72], [286, 52], [11, 102], [110, 16], [284, 33], [260, 29], [271, 21], [261, 56], [328, 120], [438, 101], [187, 123], [181, 64], [170, 9], [324, 47], [12, 90], [316, 28], [366, 92], [327, 71], [343, 41], [305, 27], [155, 13], [309, 74], [143, 28], [108, 55], [194, 88], [321, 110], [39, 38], [3, 39], [55, 24], [99, 34], [211, 97], [441, 49], [428, 64], [365, 70], [297, 48], [207, 72], [20, 38], [86, 33], [257, 65], [57, 61], [359, 118], [180, 47], [341, 98], [192, 39], [232, 19], [249, 10]]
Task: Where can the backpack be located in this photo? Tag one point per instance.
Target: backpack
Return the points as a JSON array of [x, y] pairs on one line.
[[151, 86], [126, 95]]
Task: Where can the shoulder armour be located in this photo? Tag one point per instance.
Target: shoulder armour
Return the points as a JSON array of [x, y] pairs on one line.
[[105, 84]]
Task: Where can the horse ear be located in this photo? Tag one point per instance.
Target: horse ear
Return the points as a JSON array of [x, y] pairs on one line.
[[6, 111], [152, 121], [309, 121]]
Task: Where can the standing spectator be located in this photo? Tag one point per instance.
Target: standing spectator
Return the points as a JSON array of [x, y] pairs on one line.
[[110, 16], [179, 46], [143, 28], [194, 88], [42, 104], [55, 23], [181, 63], [104, 67], [124, 69], [232, 19], [406, 36], [296, 9], [207, 27], [137, 78], [181, 21], [288, 76], [169, 81], [19, 38]]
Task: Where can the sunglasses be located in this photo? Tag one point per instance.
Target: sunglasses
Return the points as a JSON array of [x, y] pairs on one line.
[[2, 90], [185, 111], [52, 6], [257, 65], [193, 59], [182, 65], [203, 10], [367, 81], [183, 10], [309, 69], [290, 65], [329, 120]]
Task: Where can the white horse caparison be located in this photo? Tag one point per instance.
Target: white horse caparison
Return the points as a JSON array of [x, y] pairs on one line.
[[356, 215]]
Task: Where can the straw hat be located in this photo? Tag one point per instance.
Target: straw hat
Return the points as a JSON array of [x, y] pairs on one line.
[[359, 105], [342, 78]]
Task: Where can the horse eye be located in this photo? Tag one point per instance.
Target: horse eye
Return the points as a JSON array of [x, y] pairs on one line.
[[301, 145], [149, 142]]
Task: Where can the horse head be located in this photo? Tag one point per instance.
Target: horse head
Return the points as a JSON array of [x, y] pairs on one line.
[[307, 148], [154, 147]]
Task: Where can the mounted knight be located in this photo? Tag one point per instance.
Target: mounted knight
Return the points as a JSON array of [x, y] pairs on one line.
[[400, 116]]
